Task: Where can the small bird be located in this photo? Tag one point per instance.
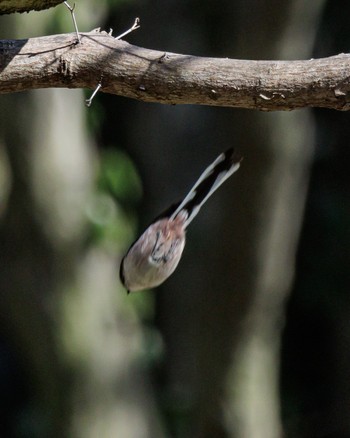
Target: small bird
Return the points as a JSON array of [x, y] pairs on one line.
[[154, 256]]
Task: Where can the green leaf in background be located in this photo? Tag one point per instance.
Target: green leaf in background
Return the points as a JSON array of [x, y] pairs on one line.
[[117, 183], [119, 177]]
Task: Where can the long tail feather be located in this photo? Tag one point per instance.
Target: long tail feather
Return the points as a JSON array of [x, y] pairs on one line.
[[211, 179]]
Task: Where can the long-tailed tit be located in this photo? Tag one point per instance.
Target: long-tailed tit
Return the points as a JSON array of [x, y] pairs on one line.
[[153, 257]]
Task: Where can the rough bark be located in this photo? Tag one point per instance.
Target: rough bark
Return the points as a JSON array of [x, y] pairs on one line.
[[10, 6], [164, 77]]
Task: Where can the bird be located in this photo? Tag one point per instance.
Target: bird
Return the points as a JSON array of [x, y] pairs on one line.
[[154, 256]]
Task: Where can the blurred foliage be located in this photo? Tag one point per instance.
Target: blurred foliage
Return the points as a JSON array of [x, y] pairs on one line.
[[111, 215], [113, 220], [118, 177], [117, 181]]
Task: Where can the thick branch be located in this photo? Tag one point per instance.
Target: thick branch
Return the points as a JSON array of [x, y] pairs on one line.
[[10, 6], [153, 76]]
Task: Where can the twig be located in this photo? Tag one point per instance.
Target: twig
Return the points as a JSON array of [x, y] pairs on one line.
[[71, 10], [135, 26], [88, 102]]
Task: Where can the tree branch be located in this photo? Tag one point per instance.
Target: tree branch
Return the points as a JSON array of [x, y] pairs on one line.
[[10, 6], [153, 76]]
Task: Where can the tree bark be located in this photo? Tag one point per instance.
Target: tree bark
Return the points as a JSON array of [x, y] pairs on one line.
[[10, 6], [165, 77]]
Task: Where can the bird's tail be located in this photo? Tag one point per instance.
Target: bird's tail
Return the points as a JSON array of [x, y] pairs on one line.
[[211, 179]]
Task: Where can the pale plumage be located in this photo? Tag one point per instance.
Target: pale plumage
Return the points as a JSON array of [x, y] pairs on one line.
[[154, 256]]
